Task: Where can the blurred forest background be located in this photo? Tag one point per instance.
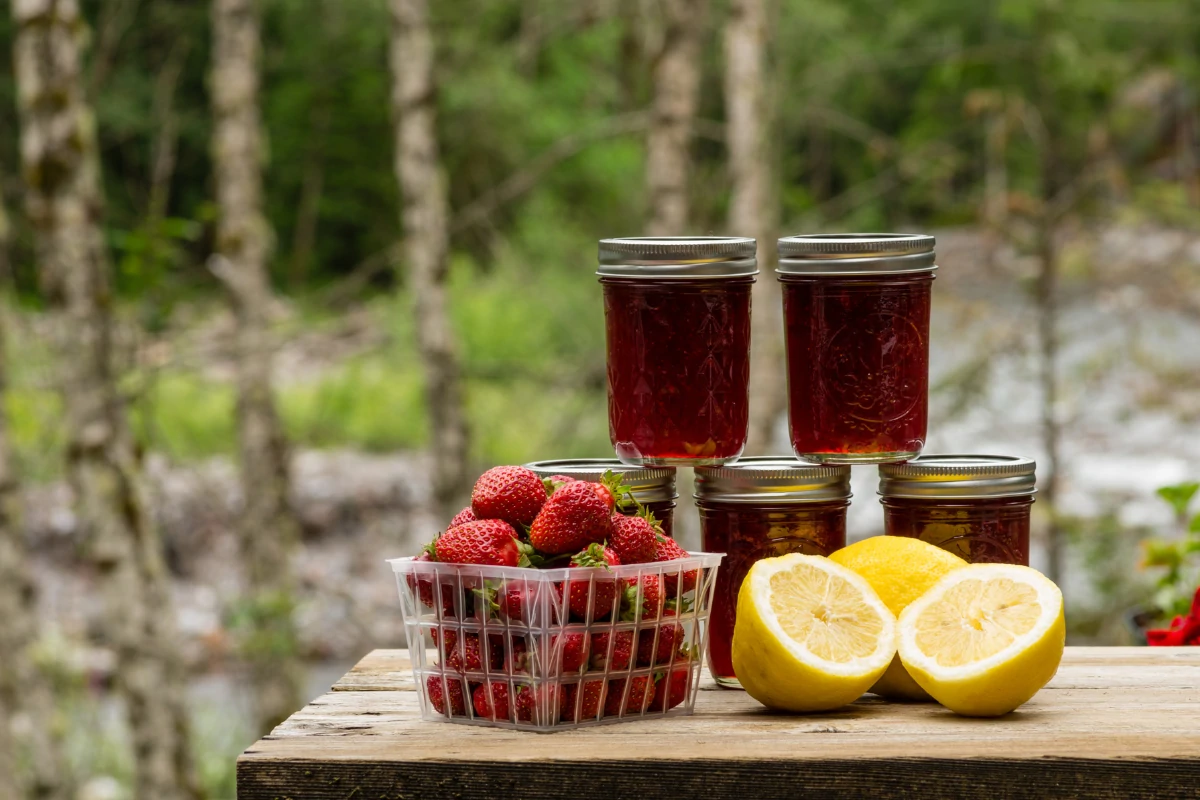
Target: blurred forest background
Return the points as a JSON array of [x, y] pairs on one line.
[[281, 276]]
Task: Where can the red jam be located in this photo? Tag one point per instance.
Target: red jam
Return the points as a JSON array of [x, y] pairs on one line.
[[748, 532], [858, 365], [678, 368], [993, 530]]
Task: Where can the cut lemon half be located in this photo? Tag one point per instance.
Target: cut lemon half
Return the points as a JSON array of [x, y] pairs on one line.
[[985, 638], [810, 635]]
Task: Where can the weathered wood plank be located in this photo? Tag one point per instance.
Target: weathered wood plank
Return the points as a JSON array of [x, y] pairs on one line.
[[1114, 723]]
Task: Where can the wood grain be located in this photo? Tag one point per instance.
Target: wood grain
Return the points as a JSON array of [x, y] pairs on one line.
[[1114, 723]]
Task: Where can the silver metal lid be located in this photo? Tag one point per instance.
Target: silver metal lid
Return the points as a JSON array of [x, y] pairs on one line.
[[856, 254], [667, 257], [647, 484], [960, 477], [773, 479]]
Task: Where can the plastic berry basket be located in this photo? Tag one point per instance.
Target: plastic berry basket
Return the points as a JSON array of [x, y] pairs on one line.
[[553, 649]]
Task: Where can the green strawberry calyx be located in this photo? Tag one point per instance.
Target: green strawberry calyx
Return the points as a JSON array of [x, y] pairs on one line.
[[591, 556], [431, 548], [529, 557], [622, 494]]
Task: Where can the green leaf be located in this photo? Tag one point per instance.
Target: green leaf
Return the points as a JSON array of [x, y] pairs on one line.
[[1179, 496]]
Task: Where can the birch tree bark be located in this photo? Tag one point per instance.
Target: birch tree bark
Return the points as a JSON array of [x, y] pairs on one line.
[[676, 85], [753, 207], [35, 767], [425, 212], [60, 166], [267, 526]]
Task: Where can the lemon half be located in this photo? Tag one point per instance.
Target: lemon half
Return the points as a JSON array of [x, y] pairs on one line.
[[811, 635], [900, 570], [985, 638]]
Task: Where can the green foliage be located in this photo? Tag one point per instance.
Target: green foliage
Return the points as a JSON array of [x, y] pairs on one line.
[[1176, 560]]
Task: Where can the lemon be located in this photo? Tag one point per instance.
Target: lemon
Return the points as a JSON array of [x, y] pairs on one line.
[[900, 570], [811, 635], [985, 638]]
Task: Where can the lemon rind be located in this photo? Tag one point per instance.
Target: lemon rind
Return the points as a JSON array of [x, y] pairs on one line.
[[760, 578], [1048, 595]]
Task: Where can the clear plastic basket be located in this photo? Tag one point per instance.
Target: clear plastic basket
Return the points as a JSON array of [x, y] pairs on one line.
[[554, 649]]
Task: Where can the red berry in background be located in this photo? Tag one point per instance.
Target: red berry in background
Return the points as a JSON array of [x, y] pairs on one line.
[[490, 541], [594, 692], [574, 517], [462, 518], [438, 692], [667, 549], [607, 588], [634, 539], [671, 689], [650, 603], [493, 704], [621, 655], [670, 638], [641, 695], [513, 494]]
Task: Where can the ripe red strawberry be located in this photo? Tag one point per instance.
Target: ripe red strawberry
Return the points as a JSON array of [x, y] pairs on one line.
[[650, 605], [607, 588], [671, 690], [513, 494], [493, 705], [462, 518], [517, 661], [488, 541], [594, 692], [667, 549], [528, 698], [465, 654], [575, 652], [445, 639], [437, 695], [622, 651], [634, 538], [670, 638], [574, 517], [641, 695], [511, 601], [611, 489]]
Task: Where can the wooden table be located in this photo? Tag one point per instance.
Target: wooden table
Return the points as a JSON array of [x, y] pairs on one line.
[[1115, 723]]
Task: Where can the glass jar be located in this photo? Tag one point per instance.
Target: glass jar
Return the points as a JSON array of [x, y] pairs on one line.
[[856, 313], [976, 507], [761, 507], [677, 319], [653, 487]]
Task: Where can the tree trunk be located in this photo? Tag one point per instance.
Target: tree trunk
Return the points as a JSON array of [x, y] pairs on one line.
[[37, 769], [61, 170], [418, 169], [753, 207], [676, 79], [267, 527]]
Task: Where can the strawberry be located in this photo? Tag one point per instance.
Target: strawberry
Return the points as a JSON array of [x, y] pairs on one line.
[[437, 692], [594, 692], [518, 658], [634, 538], [651, 601], [555, 481], [464, 655], [610, 489], [574, 517], [511, 601], [622, 651], [641, 695], [513, 494], [606, 588], [667, 549], [670, 637], [528, 699], [493, 704], [575, 651], [462, 518], [671, 689], [488, 541], [444, 639]]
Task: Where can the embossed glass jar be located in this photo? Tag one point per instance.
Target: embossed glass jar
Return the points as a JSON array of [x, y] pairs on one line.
[[763, 506], [677, 323], [856, 312], [976, 507], [653, 487]]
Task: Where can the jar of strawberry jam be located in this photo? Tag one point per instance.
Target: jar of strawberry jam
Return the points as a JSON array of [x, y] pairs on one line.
[[856, 312], [677, 318], [653, 487], [763, 506], [976, 507]]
